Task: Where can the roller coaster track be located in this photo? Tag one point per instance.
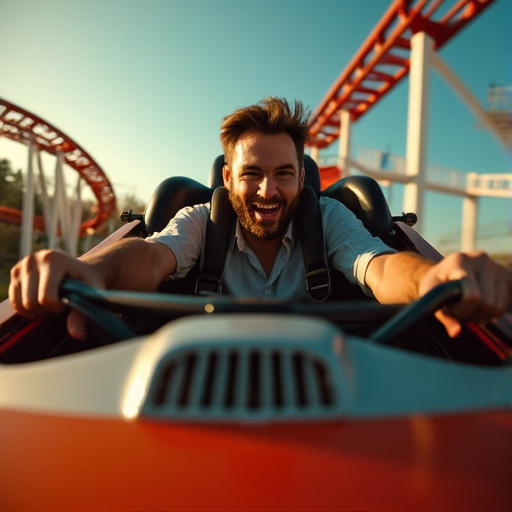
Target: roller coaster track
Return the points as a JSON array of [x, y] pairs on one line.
[[383, 60], [21, 126], [12, 216]]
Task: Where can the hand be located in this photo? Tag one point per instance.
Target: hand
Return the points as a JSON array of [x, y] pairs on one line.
[[35, 283], [486, 293]]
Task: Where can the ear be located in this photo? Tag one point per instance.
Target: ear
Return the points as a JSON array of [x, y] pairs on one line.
[[302, 176], [226, 175]]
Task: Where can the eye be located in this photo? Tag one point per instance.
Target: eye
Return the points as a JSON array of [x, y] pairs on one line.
[[286, 174], [249, 175]]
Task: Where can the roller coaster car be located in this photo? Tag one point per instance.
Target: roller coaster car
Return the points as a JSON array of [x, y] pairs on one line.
[[251, 405]]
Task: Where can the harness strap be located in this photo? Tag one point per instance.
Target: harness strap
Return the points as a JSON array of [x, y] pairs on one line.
[[309, 222], [218, 234]]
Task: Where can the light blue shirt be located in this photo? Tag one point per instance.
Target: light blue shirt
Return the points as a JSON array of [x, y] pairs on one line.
[[349, 248]]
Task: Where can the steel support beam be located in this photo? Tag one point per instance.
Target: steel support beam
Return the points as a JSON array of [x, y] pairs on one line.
[[422, 47]]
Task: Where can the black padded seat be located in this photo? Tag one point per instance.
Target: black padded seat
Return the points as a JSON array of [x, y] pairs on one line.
[[363, 195], [172, 195], [216, 179]]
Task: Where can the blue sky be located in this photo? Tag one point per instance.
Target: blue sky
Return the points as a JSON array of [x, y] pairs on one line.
[[143, 85]]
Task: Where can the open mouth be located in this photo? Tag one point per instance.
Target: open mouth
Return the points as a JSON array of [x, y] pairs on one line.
[[267, 211]]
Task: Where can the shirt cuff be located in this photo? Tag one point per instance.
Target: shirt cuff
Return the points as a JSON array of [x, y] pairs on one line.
[[361, 266]]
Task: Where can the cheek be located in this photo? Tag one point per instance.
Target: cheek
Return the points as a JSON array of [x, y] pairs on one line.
[[290, 191], [245, 189]]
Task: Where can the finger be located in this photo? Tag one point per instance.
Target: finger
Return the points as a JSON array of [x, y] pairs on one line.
[[77, 325], [452, 326], [29, 284], [493, 298], [488, 296], [15, 290], [49, 284], [467, 306], [485, 296]]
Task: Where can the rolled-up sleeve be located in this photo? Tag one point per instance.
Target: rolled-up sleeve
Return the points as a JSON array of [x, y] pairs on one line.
[[184, 235], [350, 246]]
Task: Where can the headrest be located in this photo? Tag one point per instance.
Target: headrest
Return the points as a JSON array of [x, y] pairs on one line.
[[363, 195], [171, 195], [216, 179], [311, 178]]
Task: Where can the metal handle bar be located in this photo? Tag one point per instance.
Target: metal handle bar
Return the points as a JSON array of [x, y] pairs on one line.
[[441, 295]]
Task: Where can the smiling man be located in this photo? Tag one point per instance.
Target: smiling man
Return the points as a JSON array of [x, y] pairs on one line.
[[264, 174], [264, 179]]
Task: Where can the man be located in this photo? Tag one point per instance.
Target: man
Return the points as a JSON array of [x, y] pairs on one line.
[[264, 148]]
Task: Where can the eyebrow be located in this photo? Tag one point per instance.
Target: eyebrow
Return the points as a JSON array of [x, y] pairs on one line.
[[250, 167]]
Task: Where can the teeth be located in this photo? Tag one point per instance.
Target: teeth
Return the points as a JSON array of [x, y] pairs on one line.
[[266, 206]]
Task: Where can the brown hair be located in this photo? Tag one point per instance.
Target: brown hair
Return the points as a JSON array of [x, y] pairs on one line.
[[270, 116]]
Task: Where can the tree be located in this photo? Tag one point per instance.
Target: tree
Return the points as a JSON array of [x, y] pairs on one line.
[[11, 195], [11, 185]]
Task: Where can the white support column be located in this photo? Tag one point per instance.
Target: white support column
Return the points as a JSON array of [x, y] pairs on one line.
[[417, 123], [61, 199], [27, 219], [76, 218], [54, 210], [49, 210], [345, 142], [469, 218]]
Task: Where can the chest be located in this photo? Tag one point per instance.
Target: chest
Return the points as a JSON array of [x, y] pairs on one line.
[[270, 276]]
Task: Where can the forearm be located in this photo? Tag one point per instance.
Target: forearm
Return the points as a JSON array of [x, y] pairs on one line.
[[395, 278], [133, 264]]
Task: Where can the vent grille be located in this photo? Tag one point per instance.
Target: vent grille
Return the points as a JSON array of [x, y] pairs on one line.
[[230, 382]]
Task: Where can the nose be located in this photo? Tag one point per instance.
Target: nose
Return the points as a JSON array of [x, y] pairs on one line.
[[268, 188]]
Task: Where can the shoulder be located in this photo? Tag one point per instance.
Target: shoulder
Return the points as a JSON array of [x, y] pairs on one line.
[[197, 214], [334, 209], [197, 211], [191, 219]]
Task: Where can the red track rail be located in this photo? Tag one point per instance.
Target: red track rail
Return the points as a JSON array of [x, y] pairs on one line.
[[19, 125], [383, 59], [13, 216]]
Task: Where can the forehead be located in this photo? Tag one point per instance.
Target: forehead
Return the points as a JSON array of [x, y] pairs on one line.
[[265, 151]]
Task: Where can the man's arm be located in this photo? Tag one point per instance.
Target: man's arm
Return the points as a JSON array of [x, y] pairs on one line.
[[404, 277], [132, 263]]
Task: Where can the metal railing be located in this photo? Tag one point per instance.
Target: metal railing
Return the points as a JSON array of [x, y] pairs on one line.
[[384, 165]]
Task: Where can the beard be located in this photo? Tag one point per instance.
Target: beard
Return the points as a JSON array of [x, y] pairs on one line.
[[265, 230]]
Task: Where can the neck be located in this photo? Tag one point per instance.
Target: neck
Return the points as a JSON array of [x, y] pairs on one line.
[[266, 250]]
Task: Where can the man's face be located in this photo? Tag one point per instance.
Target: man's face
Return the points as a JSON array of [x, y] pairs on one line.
[[264, 181]]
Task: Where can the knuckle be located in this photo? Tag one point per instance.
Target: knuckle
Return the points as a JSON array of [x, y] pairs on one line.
[[48, 255], [13, 296], [27, 263], [15, 272], [29, 304]]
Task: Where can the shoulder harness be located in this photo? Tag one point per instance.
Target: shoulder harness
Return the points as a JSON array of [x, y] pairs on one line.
[[309, 226]]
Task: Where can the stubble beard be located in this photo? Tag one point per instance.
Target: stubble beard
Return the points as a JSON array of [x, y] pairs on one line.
[[264, 230]]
